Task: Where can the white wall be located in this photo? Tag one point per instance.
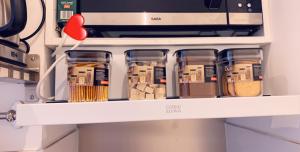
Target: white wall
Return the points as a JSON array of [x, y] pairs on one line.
[[282, 67], [12, 139], [239, 140]]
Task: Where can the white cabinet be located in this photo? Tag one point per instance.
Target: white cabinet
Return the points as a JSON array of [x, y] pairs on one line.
[[251, 124]]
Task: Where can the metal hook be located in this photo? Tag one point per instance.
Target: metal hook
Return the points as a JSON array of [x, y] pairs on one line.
[[9, 116]]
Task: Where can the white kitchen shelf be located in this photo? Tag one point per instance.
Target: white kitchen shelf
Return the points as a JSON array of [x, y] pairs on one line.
[[125, 111], [52, 39]]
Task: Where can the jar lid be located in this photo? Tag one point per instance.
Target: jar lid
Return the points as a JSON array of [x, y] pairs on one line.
[[88, 55], [146, 55], [240, 54], [196, 54]]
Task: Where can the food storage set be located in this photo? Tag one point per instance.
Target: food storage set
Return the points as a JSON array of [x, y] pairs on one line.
[[240, 72], [88, 75], [199, 73], [146, 74], [196, 73]]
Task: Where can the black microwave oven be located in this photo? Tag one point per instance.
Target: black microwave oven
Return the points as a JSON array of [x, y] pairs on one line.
[[165, 18]]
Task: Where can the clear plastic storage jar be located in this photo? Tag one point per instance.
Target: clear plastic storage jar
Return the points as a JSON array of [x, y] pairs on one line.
[[146, 74], [88, 75], [196, 74], [240, 72]]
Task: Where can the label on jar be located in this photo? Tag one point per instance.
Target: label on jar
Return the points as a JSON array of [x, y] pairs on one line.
[[198, 74], [81, 76], [241, 80], [192, 74], [160, 75], [210, 73], [243, 72], [101, 77], [144, 74], [257, 72]]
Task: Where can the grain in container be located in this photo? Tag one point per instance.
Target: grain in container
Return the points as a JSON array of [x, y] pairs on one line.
[[241, 72]]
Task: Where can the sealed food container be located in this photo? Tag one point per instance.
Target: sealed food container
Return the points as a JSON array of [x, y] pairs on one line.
[[240, 72], [146, 74], [196, 74], [88, 75]]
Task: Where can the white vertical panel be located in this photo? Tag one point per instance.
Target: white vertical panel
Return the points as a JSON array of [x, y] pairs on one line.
[[12, 139], [283, 57], [118, 86]]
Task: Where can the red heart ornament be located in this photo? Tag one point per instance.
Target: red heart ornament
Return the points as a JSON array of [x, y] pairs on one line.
[[74, 28]]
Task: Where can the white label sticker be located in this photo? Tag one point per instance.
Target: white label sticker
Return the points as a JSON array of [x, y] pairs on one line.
[[172, 108], [64, 15], [192, 74], [243, 77], [81, 80]]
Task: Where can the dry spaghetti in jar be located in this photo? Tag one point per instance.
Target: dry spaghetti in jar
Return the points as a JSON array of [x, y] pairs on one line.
[[88, 75], [241, 72]]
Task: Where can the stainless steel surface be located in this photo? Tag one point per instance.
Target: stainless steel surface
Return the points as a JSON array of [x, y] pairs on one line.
[[206, 135], [31, 70], [9, 116], [155, 18], [245, 18], [4, 12], [33, 62], [158, 33], [10, 53]]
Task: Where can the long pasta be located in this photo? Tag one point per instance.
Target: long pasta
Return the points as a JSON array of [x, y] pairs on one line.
[[85, 86]]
